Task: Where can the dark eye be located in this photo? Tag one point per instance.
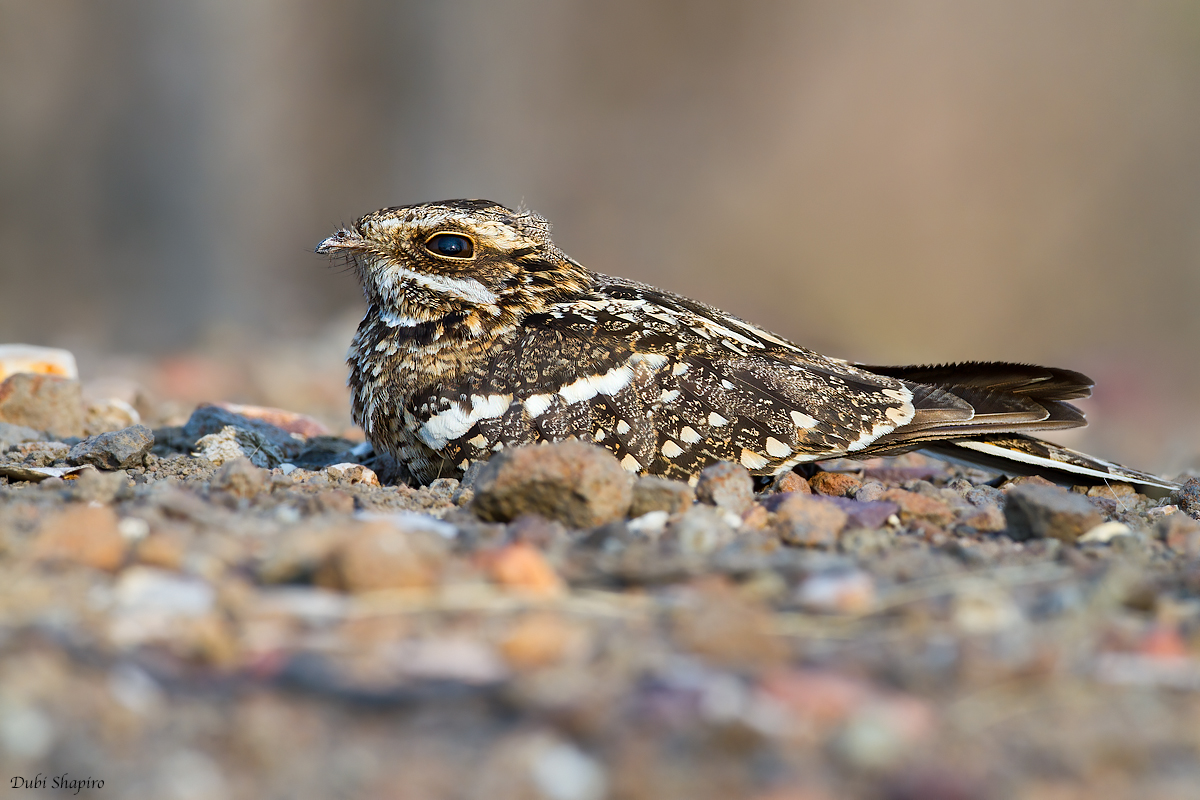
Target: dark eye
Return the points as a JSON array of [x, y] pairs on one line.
[[451, 245]]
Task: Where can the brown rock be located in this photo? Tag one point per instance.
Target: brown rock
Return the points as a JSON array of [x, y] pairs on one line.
[[652, 493], [579, 484], [523, 568], [986, 517], [792, 482], [1037, 512], [915, 506], [44, 402], [538, 640], [726, 485], [85, 535], [378, 555], [1181, 533], [836, 484], [1028, 480], [239, 477], [165, 550], [808, 521]]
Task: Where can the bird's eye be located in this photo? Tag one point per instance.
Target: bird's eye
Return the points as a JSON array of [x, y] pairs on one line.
[[450, 245]]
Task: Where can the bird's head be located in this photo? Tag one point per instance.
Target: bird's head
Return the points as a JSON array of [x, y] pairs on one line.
[[425, 261]]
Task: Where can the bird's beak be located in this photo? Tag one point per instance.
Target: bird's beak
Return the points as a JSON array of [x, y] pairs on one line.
[[342, 240]]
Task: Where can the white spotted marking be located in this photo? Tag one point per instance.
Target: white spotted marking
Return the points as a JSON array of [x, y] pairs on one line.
[[726, 384], [652, 360], [752, 460], [716, 420], [669, 395], [455, 420], [802, 420], [671, 450], [630, 464], [777, 448], [536, 404], [599, 435], [394, 320], [479, 441], [689, 435], [680, 369], [622, 427], [877, 430], [609, 383]]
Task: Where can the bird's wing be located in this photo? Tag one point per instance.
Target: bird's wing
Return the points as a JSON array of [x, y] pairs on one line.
[[672, 385]]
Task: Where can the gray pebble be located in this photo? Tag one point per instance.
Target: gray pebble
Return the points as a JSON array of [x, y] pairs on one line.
[[114, 450]]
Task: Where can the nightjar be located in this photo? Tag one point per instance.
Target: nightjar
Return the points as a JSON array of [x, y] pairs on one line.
[[480, 334]]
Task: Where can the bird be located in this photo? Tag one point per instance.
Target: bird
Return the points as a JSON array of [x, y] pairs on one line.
[[481, 334]]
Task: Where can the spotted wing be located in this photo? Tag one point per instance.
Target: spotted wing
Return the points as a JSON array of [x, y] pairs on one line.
[[669, 385]]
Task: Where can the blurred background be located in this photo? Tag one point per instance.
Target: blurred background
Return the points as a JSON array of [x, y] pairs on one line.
[[917, 182]]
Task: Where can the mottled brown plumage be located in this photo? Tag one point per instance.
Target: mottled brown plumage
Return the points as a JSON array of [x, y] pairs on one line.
[[480, 334]]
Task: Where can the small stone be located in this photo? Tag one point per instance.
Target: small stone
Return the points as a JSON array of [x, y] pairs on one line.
[[983, 607], [988, 518], [581, 485], [652, 493], [108, 414], [12, 435], [810, 522], [1113, 491], [93, 486], [162, 550], [1028, 480], [848, 592], [563, 772], [701, 530], [29, 358], [1187, 497], [726, 485], [792, 482], [239, 478], [523, 568], [872, 514], [984, 495], [914, 506], [86, 535], [1181, 533], [1105, 532], [234, 443], [537, 640], [26, 732], [115, 450], [377, 555], [352, 473], [870, 491], [1039, 512], [44, 402], [836, 484]]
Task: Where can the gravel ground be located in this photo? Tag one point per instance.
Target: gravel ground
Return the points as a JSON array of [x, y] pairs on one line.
[[230, 608]]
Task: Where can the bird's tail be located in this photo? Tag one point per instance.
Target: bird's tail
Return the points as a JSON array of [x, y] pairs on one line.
[[1015, 453], [981, 413]]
